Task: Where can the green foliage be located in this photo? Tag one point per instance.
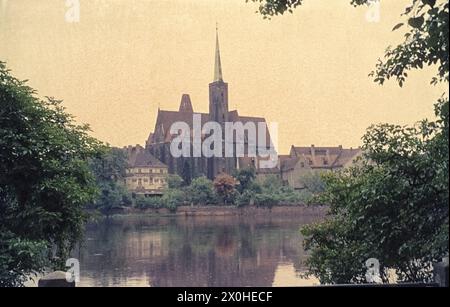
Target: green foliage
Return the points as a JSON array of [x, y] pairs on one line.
[[426, 40], [109, 170], [313, 182], [267, 199], [201, 191], [272, 183], [244, 177], [174, 181], [245, 198], [45, 181], [142, 202], [110, 165], [20, 258], [393, 208], [172, 198]]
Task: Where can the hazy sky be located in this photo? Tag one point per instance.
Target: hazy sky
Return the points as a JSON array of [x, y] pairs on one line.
[[124, 58]]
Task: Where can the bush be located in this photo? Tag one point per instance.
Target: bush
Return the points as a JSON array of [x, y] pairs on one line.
[[245, 198], [225, 187], [172, 198], [142, 202], [313, 182], [174, 181], [244, 178], [201, 191], [267, 199]]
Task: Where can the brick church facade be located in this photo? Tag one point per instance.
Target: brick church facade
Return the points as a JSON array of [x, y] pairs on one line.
[[159, 141]]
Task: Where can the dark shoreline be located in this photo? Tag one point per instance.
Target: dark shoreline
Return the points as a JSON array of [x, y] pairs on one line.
[[287, 210]]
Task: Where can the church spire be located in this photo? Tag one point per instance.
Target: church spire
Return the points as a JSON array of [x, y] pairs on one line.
[[218, 64]]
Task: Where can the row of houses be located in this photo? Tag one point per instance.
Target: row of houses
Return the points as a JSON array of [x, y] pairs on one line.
[[146, 175]]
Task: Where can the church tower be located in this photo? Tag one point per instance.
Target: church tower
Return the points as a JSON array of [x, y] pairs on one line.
[[218, 112], [218, 91]]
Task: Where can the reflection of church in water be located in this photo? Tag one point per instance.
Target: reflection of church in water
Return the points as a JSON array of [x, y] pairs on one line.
[[159, 141], [209, 252]]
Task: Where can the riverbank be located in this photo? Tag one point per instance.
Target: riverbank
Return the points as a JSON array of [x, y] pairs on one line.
[[299, 210]]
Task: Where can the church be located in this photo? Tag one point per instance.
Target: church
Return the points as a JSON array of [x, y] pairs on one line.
[[189, 167]]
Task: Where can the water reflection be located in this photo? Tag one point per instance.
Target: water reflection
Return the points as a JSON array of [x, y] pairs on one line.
[[194, 251]]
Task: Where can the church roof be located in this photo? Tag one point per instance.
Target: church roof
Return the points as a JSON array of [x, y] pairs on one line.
[[166, 119]]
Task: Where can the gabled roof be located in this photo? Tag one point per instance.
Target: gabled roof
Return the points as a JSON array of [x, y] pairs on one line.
[[287, 162], [321, 157], [138, 156], [145, 159]]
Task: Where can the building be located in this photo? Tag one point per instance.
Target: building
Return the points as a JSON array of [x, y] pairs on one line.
[[145, 175], [188, 167], [304, 160]]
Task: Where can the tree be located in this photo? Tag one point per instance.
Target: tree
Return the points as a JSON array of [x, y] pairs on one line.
[[244, 178], [45, 181], [109, 170], [174, 181], [393, 207], [201, 191], [272, 183], [426, 39], [172, 198], [225, 187], [313, 182]]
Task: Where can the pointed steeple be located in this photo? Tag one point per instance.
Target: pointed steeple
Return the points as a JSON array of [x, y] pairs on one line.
[[186, 105], [218, 65]]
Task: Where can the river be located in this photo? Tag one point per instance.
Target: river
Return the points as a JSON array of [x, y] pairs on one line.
[[194, 251]]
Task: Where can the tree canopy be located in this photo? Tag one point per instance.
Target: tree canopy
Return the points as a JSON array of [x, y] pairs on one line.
[[45, 180]]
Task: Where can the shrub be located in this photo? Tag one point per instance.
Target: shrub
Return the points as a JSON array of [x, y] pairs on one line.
[[245, 198], [201, 191], [267, 199], [172, 198], [142, 202], [225, 187], [174, 181]]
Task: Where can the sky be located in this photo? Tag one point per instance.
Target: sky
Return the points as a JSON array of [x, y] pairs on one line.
[[122, 59]]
